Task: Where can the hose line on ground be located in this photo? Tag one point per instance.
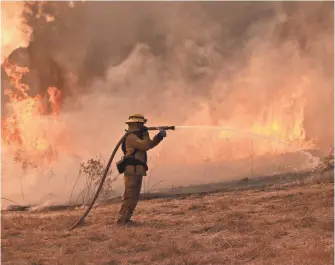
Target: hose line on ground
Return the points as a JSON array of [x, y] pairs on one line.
[[81, 219]]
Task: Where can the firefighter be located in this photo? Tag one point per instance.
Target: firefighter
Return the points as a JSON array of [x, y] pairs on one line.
[[135, 149]]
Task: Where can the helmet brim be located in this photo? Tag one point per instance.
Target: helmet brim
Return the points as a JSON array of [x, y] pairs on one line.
[[136, 121]]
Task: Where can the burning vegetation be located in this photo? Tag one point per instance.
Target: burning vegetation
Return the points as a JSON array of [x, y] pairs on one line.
[[25, 128], [63, 97]]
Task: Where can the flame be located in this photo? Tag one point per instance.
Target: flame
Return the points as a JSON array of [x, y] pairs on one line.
[[54, 98], [25, 129], [282, 122], [28, 130]]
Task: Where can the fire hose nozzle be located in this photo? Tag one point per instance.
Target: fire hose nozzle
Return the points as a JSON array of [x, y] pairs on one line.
[[162, 127]]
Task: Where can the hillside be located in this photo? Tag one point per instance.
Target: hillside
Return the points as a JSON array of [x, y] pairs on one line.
[[288, 225]]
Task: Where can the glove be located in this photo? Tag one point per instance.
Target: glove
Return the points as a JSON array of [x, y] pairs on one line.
[[144, 130], [162, 133]]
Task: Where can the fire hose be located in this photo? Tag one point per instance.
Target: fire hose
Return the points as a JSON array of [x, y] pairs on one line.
[[81, 219]]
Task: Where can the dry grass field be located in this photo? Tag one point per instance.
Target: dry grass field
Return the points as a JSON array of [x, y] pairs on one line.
[[291, 226]]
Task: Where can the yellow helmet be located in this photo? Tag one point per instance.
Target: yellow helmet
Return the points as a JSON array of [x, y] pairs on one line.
[[136, 118]]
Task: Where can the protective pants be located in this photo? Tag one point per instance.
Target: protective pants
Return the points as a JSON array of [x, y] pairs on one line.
[[131, 196]]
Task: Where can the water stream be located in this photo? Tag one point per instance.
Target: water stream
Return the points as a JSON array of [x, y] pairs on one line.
[[312, 160], [220, 128]]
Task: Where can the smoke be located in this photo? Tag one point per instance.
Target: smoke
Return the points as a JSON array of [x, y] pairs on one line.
[[13, 33], [225, 63]]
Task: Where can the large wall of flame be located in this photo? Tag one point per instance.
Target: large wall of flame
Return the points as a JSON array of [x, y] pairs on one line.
[[225, 63]]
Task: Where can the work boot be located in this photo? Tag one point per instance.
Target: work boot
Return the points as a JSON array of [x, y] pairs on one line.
[[131, 223], [126, 223], [121, 222]]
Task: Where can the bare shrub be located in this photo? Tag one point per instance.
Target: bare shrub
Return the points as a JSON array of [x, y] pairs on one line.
[[91, 173]]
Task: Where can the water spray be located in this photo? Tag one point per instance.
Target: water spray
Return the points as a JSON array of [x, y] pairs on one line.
[[313, 160], [220, 128]]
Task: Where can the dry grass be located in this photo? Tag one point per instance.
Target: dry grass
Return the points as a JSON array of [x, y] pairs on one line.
[[292, 226]]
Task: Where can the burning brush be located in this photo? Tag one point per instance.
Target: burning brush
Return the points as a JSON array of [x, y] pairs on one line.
[[24, 128]]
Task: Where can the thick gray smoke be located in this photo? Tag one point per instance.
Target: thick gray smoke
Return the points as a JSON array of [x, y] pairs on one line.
[[181, 63]]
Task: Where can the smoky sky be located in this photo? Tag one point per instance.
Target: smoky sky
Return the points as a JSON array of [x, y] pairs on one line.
[[90, 37], [193, 42]]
